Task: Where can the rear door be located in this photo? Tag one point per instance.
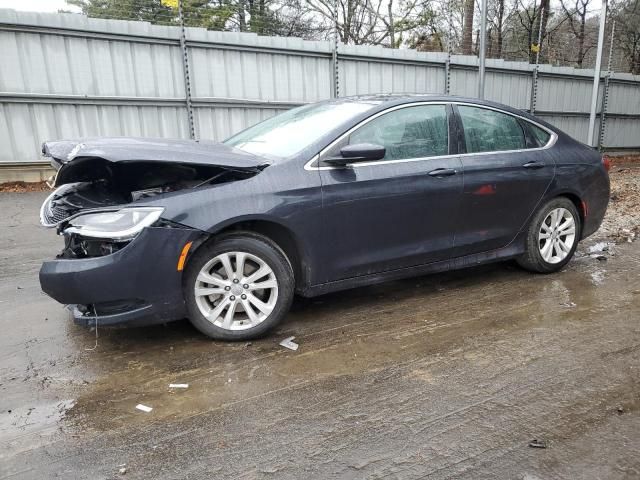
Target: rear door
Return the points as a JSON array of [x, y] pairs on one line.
[[396, 212], [507, 170]]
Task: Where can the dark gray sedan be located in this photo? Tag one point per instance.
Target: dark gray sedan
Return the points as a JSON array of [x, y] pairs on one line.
[[325, 197]]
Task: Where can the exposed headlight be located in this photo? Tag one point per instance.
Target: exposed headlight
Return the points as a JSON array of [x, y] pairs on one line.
[[118, 225]]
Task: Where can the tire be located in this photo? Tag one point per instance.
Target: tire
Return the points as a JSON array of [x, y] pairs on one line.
[[558, 255], [211, 293]]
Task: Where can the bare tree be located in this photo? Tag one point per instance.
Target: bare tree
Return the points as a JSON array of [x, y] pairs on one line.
[[467, 27], [576, 14], [627, 15]]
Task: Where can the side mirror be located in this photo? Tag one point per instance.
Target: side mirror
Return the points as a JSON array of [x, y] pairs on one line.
[[360, 152]]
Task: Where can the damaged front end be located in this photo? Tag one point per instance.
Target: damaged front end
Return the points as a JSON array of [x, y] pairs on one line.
[[98, 183], [121, 262]]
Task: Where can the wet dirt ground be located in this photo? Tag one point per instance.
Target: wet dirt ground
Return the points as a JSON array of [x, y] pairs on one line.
[[444, 376]]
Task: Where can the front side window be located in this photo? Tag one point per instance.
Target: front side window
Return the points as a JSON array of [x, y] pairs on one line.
[[490, 131], [410, 132]]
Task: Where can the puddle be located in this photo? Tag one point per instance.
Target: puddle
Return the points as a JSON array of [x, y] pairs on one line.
[[598, 276], [30, 426]]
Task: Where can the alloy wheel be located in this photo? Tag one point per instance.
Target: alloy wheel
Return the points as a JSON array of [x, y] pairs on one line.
[[557, 235], [236, 290]]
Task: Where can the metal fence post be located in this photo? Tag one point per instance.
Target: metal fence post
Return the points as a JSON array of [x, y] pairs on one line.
[[596, 74], [185, 68], [603, 109], [605, 92], [534, 79], [335, 81], [483, 48], [534, 91], [447, 63]]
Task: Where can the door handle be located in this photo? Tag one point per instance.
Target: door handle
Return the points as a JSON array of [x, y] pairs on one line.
[[442, 172], [533, 165]]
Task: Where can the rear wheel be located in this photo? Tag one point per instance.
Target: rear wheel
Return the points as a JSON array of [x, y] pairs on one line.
[[553, 237], [238, 287]]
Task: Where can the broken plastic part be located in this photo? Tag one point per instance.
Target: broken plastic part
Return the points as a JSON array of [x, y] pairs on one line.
[[289, 343], [535, 443]]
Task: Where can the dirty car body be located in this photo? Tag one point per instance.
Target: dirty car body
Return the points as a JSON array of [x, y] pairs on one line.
[[445, 194]]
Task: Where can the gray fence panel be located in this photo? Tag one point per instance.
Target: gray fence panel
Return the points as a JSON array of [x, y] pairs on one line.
[[624, 97], [564, 94], [66, 75], [359, 77], [512, 89], [221, 122]]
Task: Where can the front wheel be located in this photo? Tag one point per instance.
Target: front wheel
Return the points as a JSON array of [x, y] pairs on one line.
[[238, 287], [553, 237]]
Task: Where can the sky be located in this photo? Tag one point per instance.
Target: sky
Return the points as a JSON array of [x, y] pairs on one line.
[[37, 5]]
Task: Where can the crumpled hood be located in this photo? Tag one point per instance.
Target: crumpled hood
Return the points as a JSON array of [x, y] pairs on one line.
[[126, 149]]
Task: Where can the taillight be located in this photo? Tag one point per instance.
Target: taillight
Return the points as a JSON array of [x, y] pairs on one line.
[[606, 162]]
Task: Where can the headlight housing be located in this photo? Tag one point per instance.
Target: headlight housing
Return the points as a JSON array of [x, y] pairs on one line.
[[119, 225]]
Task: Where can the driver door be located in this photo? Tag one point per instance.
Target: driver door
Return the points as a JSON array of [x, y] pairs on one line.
[[396, 212]]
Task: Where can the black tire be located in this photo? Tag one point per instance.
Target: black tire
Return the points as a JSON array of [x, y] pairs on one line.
[[253, 244], [532, 259]]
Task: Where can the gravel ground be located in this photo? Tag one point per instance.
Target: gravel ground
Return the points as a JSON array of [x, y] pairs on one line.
[[444, 376], [623, 216]]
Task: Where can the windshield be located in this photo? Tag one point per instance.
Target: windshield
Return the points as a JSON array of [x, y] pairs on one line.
[[292, 131]]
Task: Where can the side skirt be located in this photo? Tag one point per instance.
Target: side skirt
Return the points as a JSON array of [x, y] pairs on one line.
[[512, 250]]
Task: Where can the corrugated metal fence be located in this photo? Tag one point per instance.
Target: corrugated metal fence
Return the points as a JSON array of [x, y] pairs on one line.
[[66, 75]]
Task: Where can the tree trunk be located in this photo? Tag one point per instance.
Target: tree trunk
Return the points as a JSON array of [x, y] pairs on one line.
[[253, 19], [261, 11], [500, 27], [583, 21], [242, 22], [537, 34], [546, 11], [392, 33], [467, 32]]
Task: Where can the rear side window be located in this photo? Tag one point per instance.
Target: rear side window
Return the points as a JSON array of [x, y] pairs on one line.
[[541, 136], [490, 131], [411, 132]]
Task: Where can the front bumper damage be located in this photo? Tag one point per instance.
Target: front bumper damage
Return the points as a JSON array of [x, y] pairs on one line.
[[137, 285]]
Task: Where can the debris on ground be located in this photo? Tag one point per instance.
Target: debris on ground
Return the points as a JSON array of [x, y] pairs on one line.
[[144, 408], [122, 469], [568, 304], [535, 443], [622, 223], [178, 385], [289, 343], [599, 247], [21, 187], [620, 410], [627, 235]]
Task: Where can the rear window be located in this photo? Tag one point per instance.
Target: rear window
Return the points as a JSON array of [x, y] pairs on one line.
[[542, 136]]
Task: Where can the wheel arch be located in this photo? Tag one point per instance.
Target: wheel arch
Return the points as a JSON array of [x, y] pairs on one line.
[[275, 231], [578, 202]]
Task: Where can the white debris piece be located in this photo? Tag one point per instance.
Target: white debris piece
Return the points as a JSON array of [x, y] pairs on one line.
[[599, 247], [144, 408], [178, 385], [289, 343]]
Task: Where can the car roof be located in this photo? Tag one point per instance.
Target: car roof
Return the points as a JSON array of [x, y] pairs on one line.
[[387, 100]]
